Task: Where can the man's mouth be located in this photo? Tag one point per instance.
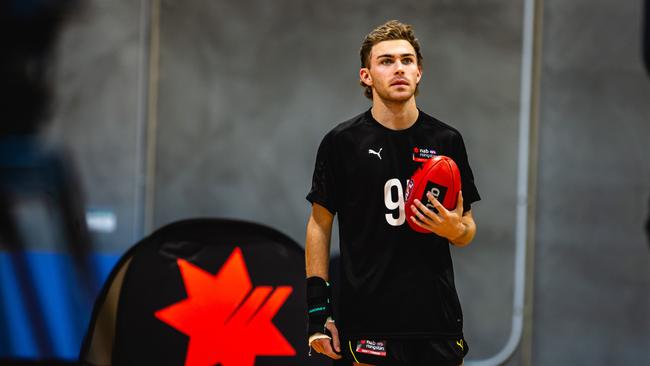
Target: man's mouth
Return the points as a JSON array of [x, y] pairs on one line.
[[400, 82]]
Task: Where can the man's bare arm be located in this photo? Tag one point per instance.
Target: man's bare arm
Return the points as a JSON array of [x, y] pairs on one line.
[[317, 258], [317, 244]]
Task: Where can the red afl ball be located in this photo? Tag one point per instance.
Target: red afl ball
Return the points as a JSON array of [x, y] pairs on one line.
[[438, 175]]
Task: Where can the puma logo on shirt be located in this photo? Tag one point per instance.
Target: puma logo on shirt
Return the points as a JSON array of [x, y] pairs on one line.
[[373, 152]]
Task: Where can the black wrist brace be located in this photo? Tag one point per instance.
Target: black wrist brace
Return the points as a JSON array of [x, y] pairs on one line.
[[319, 306]]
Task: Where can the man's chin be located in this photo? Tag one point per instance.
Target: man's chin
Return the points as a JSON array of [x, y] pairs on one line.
[[396, 96], [399, 97]]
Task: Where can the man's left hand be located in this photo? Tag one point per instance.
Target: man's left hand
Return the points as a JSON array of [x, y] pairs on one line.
[[447, 224]]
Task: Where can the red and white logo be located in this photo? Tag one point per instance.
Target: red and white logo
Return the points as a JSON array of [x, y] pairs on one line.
[[227, 320], [423, 154], [370, 347]]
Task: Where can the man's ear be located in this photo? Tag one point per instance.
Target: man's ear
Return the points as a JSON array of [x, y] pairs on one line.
[[364, 76]]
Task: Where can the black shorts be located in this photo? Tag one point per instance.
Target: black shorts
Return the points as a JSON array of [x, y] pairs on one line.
[[405, 352]]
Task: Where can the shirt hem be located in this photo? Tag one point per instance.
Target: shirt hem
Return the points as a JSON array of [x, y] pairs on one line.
[[402, 335]]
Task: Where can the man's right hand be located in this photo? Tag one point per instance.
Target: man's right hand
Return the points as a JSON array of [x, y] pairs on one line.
[[324, 345]]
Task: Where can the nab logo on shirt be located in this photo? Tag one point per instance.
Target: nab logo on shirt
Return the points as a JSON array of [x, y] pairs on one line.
[[227, 320], [437, 191], [421, 154]]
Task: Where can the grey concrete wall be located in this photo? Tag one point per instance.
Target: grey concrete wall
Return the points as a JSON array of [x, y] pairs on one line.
[[248, 89], [97, 113], [592, 271]]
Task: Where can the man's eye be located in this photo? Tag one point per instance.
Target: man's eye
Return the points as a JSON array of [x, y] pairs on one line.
[[386, 61], [407, 61]]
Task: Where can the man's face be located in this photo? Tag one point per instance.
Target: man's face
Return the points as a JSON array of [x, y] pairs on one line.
[[392, 72]]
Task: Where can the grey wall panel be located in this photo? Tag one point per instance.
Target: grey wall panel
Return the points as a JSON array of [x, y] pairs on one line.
[[248, 89], [97, 115], [592, 298]]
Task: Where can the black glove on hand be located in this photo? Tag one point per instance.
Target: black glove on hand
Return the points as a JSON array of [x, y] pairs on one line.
[[319, 306]]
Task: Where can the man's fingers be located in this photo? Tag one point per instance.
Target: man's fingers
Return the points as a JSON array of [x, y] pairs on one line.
[[326, 348], [459, 204], [335, 336], [421, 218], [316, 345], [419, 223], [442, 211], [425, 214]]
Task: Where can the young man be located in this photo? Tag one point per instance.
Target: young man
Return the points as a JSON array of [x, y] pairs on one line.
[[398, 299]]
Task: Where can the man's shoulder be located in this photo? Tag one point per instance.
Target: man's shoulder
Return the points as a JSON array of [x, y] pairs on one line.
[[347, 127], [431, 122], [351, 123]]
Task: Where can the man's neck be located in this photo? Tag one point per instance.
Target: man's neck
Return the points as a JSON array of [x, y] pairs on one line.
[[395, 116]]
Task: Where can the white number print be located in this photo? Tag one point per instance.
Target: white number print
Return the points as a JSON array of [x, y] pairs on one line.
[[394, 204]]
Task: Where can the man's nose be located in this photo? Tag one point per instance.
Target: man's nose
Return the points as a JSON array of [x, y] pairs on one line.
[[399, 67]]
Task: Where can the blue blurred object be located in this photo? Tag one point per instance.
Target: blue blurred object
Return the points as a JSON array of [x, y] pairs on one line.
[[33, 176], [61, 296]]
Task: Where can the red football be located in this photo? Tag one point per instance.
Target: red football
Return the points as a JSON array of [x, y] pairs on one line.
[[438, 175]]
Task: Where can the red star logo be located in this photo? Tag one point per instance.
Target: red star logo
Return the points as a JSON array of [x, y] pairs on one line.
[[227, 322]]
